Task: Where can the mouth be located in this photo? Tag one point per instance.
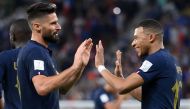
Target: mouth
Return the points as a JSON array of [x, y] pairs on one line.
[[56, 34], [137, 50]]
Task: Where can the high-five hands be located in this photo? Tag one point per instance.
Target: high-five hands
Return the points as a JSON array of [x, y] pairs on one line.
[[99, 57], [86, 52], [118, 67], [82, 54]]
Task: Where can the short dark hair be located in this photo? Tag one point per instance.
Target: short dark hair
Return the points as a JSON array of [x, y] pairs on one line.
[[20, 31], [151, 25], [40, 9]]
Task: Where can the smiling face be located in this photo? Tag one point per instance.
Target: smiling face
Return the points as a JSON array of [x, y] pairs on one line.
[[50, 28], [141, 42]]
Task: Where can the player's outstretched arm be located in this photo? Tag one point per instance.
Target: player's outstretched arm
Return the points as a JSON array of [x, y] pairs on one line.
[[122, 85], [136, 93], [68, 77]]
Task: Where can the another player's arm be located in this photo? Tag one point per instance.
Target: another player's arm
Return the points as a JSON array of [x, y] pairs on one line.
[[68, 77], [122, 85]]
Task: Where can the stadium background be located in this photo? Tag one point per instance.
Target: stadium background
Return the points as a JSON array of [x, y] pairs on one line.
[[112, 22]]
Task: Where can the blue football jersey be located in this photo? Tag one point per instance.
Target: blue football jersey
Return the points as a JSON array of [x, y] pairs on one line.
[[162, 81], [35, 59], [8, 78], [100, 96]]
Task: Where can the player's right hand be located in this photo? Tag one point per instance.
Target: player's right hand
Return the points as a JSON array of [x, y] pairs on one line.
[[99, 57]]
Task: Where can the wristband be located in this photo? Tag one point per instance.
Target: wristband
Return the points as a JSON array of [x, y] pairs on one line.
[[101, 68]]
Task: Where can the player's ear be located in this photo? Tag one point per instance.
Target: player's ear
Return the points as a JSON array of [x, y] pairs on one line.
[[152, 38], [36, 26]]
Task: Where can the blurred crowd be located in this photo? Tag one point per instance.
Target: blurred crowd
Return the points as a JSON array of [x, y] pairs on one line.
[[112, 22]]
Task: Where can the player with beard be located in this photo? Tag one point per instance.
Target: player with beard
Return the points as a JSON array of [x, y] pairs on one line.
[[39, 80], [159, 75], [20, 33]]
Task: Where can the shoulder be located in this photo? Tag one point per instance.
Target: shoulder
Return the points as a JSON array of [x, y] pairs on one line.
[[5, 53], [155, 60], [34, 54], [3, 56], [31, 50], [160, 57], [9, 54]]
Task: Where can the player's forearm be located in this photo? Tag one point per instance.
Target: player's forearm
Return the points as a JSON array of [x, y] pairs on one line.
[[112, 80], [65, 88], [123, 86], [45, 85], [67, 78]]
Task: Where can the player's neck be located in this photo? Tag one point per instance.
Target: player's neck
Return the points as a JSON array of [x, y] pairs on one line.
[[38, 38], [156, 47]]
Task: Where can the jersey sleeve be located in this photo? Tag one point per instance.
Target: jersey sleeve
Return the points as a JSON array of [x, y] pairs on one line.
[[36, 63], [149, 69]]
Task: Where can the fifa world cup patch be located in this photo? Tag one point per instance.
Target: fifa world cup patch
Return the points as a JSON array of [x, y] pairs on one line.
[[146, 66], [38, 65]]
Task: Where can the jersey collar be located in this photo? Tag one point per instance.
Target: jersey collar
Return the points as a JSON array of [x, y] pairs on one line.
[[34, 42]]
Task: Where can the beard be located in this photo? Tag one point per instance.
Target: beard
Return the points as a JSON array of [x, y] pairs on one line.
[[144, 52], [51, 37]]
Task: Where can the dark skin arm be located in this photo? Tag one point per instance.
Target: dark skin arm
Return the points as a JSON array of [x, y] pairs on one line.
[[136, 93], [120, 84]]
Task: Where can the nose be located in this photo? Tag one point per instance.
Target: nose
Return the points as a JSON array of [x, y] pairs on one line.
[[133, 43], [58, 27]]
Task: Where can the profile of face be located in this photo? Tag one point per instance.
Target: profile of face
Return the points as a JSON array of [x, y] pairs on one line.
[[141, 42], [50, 28]]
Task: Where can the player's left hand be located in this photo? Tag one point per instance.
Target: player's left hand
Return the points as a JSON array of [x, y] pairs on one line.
[[99, 57], [82, 54], [118, 67]]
